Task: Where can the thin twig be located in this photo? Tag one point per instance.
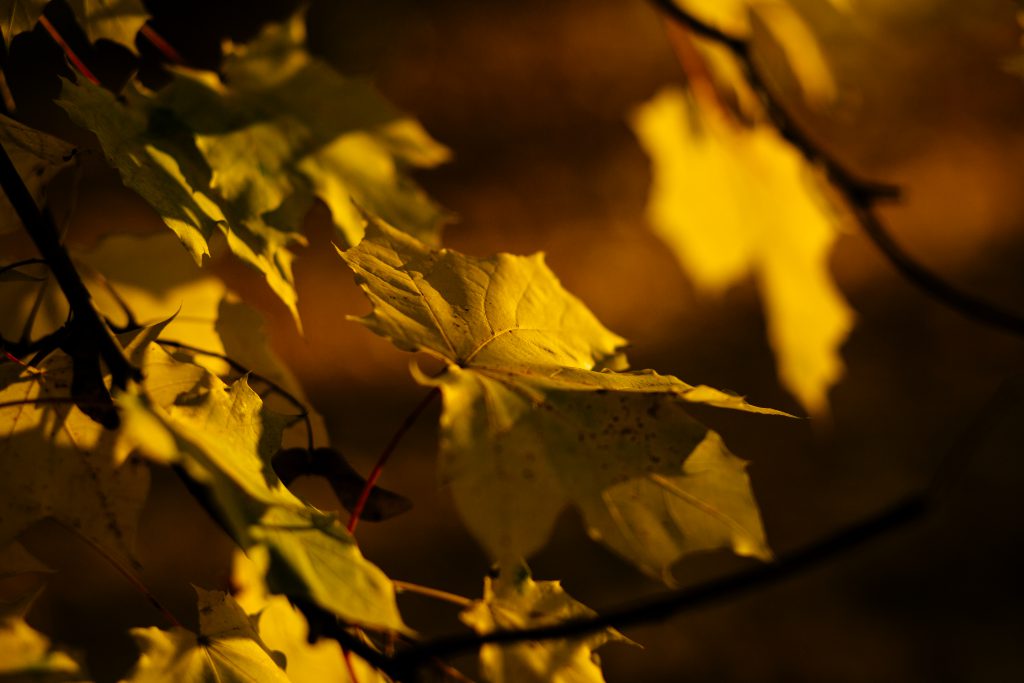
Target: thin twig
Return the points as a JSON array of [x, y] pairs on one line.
[[41, 228], [860, 195], [378, 468], [20, 264], [72, 57], [676, 602], [238, 367]]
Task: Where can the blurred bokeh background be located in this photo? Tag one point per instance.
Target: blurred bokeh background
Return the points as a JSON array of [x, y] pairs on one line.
[[532, 97]]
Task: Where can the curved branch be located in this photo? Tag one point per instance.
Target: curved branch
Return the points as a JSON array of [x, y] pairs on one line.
[[861, 195]]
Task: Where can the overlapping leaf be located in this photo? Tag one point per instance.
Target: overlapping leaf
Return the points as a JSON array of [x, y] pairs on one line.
[[223, 437], [284, 630], [517, 602], [227, 648], [531, 424], [57, 463], [38, 157], [732, 201], [246, 155]]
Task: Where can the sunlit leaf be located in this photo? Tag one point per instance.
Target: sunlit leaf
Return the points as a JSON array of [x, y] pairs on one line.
[[18, 16], [227, 648], [38, 157], [518, 602], [115, 20], [283, 629], [57, 463], [733, 201], [224, 437], [26, 655], [247, 154], [531, 424]]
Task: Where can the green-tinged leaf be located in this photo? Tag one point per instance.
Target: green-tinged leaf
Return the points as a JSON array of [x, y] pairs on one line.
[[57, 463], [517, 602], [284, 630], [18, 16], [227, 648], [116, 20], [248, 154], [154, 155], [38, 157], [27, 656], [224, 437], [530, 425], [733, 201]]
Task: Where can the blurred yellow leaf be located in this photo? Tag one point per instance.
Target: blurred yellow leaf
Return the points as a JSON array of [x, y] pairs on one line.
[[732, 201]]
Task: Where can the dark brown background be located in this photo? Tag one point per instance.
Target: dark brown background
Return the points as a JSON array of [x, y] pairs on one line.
[[532, 98]]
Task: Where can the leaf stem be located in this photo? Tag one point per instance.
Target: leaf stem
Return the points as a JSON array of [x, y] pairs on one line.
[[161, 44], [860, 195], [436, 593], [72, 57], [132, 578], [378, 468]]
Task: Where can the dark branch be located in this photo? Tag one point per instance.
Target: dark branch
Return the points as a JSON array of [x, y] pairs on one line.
[[41, 228], [407, 662], [861, 195]]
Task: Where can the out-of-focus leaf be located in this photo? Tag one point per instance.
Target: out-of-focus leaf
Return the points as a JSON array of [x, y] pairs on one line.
[[346, 483], [779, 22], [518, 602], [248, 154], [115, 20], [26, 656], [227, 648], [18, 16], [37, 156], [530, 422], [284, 630], [732, 201], [223, 437]]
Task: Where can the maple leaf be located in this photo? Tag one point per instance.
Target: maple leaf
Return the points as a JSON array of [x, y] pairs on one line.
[[18, 16], [115, 20], [56, 463], [227, 648], [531, 423], [26, 655], [284, 629], [246, 155], [516, 602], [730, 201], [38, 157], [224, 437]]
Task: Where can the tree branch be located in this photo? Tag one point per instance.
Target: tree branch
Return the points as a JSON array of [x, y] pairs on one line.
[[405, 664], [41, 228], [860, 195]]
